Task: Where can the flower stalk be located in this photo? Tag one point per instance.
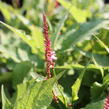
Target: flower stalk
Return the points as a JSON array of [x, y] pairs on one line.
[[50, 55]]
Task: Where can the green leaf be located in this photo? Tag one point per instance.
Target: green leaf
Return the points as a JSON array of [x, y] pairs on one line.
[[23, 54], [6, 104], [58, 29], [36, 34], [106, 79], [62, 95], [96, 90], [102, 44], [21, 70], [101, 60], [76, 86], [5, 9], [13, 47], [37, 38], [84, 32], [34, 95], [78, 14], [95, 105], [27, 39]]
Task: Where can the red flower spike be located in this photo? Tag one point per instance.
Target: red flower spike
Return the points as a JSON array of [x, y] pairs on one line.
[[106, 104], [50, 55], [57, 4]]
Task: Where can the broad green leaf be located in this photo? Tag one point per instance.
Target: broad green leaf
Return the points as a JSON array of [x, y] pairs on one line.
[[36, 34], [78, 14], [35, 95], [24, 37], [12, 47], [76, 86], [84, 32], [95, 105], [6, 104], [21, 70]]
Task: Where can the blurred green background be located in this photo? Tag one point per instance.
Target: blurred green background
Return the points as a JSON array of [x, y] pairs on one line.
[[79, 31]]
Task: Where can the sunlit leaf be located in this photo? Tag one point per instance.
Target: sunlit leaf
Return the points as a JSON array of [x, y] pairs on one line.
[[78, 14], [76, 86], [35, 95], [84, 32], [24, 37]]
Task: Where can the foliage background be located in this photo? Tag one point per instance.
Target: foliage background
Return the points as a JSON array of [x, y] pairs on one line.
[[79, 34]]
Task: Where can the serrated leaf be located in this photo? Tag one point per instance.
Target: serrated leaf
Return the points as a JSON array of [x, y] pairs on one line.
[[35, 95]]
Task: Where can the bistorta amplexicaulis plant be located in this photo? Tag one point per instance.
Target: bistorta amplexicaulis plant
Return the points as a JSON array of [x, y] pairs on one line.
[[50, 55]]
